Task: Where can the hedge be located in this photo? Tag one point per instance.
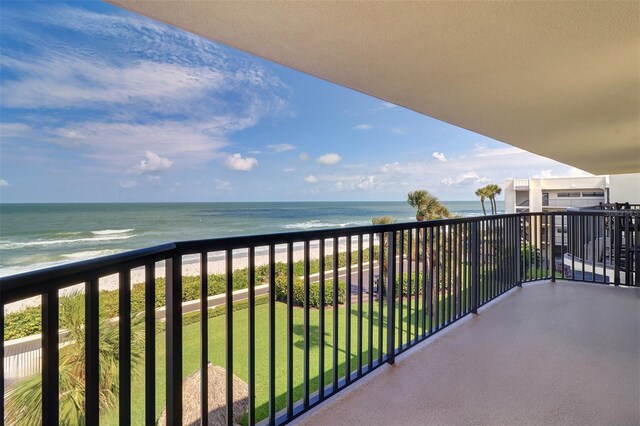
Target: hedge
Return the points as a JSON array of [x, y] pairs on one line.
[[28, 322], [314, 292]]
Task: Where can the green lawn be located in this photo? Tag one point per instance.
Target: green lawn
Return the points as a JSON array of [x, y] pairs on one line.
[[191, 352], [191, 345]]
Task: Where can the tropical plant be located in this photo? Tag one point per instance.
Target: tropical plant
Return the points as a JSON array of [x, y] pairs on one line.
[[24, 399], [492, 191], [427, 206], [482, 193], [417, 199], [383, 220]]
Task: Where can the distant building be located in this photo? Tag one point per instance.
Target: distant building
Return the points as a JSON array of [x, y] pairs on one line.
[[558, 194]]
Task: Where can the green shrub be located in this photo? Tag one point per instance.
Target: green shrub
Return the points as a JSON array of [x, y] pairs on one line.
[[28, 321], [314, 292], [23, 323], [405, 284]]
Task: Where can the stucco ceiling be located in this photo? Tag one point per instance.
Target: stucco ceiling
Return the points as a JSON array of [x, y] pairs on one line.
[[560, 79]]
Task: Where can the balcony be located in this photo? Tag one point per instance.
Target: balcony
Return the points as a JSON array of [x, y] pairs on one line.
[[343, 305], [541, 354]]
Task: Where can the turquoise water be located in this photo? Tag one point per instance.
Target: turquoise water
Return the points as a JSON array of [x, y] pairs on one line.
[[33, 236]]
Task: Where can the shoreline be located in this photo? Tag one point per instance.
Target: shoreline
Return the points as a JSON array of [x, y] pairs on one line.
[[191, 267]]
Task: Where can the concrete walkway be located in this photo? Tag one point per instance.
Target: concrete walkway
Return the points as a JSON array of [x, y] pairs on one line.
[[561, 354]]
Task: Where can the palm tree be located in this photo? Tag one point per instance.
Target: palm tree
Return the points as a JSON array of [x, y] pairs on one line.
[[416, 199], [427, 205], [24, 399], [492, 191], [482, 193]]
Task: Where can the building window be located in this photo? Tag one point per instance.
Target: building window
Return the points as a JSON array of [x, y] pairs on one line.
[[568, 194], [593, 194]]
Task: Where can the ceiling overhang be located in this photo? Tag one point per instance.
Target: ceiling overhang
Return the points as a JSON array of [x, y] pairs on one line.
[[560, 79]]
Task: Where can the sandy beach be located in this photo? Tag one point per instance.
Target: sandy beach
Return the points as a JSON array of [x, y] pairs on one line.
[[191, 267]]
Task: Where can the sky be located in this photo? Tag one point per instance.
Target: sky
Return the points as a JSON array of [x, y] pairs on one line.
[[102, 105]]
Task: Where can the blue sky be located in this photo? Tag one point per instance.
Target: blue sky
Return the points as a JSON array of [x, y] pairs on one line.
[[102, 105]]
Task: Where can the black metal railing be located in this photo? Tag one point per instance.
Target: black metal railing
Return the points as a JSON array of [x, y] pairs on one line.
[[339, 303]]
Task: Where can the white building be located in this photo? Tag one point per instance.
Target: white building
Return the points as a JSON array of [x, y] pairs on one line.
[[558, 194]]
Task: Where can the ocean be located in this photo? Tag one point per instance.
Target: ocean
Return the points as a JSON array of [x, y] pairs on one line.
[[34, 236]]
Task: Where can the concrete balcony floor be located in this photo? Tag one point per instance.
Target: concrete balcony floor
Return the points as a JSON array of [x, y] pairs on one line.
[[548, 353]]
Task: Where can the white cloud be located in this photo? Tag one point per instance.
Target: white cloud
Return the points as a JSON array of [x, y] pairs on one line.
[[568, 172], [329, 159], [366, 183], [303, 157], [152, 163], [311, 179], [128, 184], [4, 183], [362, 127], [130, 60], [387, 105], [68, 82], [289, 169], [14, 129], [398, 130], [222, 185], [439, 156], [547, 173], [154, 87], [238, 162], [463, 178], [281, 147], [116, 144], [483, 151]]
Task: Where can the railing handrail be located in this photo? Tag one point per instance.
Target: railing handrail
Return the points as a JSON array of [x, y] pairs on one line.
[[33, 283]]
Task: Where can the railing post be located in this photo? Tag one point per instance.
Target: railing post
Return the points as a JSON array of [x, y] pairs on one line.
[[519, 251], [50, 358], [618, 249], [475, 267], [391, 296], [553, 246], [173, 276], [2, 359], [92, 355]]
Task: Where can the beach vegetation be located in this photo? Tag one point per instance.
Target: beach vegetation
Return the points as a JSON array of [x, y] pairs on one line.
[[24, 398], [482, 193], [427, 206], [27, 322], [489, 192]]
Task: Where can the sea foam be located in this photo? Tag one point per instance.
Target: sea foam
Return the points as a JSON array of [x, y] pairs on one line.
[[317, 224], [8, 245], [112, 231]]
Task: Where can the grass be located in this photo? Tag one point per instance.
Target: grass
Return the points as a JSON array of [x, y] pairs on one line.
[[191, 350], [217, 342]]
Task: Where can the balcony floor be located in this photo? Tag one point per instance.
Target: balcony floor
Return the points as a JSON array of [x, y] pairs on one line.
[[563, 353]]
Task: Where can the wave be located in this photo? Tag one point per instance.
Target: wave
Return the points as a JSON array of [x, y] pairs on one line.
[[112, 231], [7, 245], [317, 224], [90, 254]]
